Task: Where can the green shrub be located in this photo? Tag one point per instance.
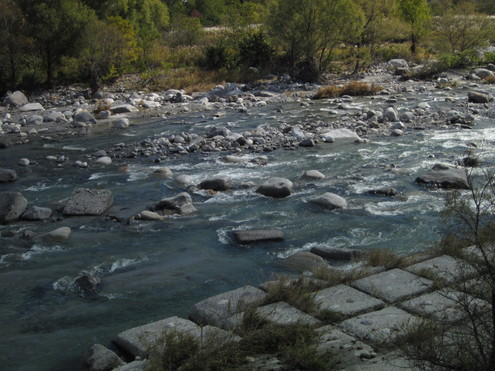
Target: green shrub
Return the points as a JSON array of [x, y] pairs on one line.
[[255, 51]]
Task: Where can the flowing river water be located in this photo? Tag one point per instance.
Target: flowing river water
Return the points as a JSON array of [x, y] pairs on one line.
[[153, 270]]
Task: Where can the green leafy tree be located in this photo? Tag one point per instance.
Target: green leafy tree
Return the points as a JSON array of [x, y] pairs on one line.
[[310, 30], [56, 27], [210, 12], [14, 42], [461, 31], [417, 14]]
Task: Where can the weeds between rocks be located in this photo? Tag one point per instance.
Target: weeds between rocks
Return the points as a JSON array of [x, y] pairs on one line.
[[354, 88]]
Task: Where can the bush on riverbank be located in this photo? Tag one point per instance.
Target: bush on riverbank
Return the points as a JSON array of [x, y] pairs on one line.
[[353, 88]]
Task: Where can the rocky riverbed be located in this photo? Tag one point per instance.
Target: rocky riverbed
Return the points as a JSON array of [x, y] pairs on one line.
[[116, 202]]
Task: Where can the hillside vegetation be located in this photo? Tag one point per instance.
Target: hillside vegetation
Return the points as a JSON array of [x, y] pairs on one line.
[[171, 44]]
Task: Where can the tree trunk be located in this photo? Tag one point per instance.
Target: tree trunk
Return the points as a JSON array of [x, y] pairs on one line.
[[413, 43]]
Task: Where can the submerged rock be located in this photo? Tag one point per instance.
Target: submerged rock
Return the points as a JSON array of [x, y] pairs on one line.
[[12, 205], [37, 213], [218, 183], [336, 253], [388, 192], [448, 178], [58, 235], [7, 175], [87, 201], [329, 201], [260, 235], [88, 285], [180, 203]]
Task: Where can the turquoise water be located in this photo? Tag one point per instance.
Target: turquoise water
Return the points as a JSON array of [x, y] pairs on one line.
[[153, 270]]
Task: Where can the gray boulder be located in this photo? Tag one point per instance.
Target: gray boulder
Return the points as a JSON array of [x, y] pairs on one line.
[[329, 201], [58, 235], [276, 188], [35, 120], [84, 117], [313, 174], [449, 178], [482, 73], [37, 213], [123, 108], [12, 205], [388, 192], [390, 114], [260, 235], [340, 135], [217, 310], [218, 183], [163, 172], [31, 107], [87, 285], [303, 261], [479, 97], [87, 201], [16, 98], [181, 203], [102, 359], [7, 175]]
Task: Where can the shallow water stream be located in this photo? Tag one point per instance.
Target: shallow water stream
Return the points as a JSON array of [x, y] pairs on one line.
[[153, 270]]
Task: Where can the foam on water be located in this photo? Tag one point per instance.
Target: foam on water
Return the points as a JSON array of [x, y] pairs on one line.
[[39, 250]]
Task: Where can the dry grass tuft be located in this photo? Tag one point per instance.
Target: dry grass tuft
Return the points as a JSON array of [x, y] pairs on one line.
[[354, 88]]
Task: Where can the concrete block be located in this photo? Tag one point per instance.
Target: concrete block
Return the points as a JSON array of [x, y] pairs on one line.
[[444, 267], [282, 313]]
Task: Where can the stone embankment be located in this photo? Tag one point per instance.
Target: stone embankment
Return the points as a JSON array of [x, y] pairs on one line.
[[372, 310]]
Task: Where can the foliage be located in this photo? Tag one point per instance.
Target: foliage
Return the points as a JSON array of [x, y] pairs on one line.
[[255, 51], [353, 88], [308, 31], [417, 14], [460, 31]]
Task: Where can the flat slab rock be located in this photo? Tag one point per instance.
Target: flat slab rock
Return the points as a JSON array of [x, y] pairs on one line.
[[139, 341], [281, 313], [378, 327], [258, 235], [444, 267], [217, 309], [442, 306], [393, 285], [87, 201], [448, 178], [346, 300]]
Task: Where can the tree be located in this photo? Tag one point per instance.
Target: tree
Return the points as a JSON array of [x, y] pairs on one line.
[[461, 31], [310, 30], [467, 341], [13, 39], [56, 27], [417, 14]]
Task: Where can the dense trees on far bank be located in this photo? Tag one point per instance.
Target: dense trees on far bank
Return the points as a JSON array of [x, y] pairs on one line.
[[47, 42]]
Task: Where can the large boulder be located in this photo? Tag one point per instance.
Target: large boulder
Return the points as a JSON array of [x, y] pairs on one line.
[[12, 205], [37, 213], [16, 99], [217, 183], [31, 107], [7, 175], [103, 359], [84, 117], [329, 201], [340, 135], [479, 97], [483, 73], [180, 203], [449, 178], [259, 235], [276, 188], [87, 201]]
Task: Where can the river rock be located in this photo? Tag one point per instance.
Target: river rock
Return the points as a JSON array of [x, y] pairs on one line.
[[31, 107], [4, 142], [58, 235], [181, 203], [122, 123], [149, 215], [276, 188], [336, 253], [123, 108], [7, 175], [12, 205], [303, 261], [87, 201], [103, 160], [259, 235], [16, 98], [483, 73], [307, 143], [479, 97], [313, 174], [396, 133], [386, 191], [87, 285], [35, 120], [102, 359], [450, 178], [37, 213], [163, 172], [391, 114], [184, 179], [329, 201], [218, 183], [84, 117], [54, 116], [23, 162], [340, 135]]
